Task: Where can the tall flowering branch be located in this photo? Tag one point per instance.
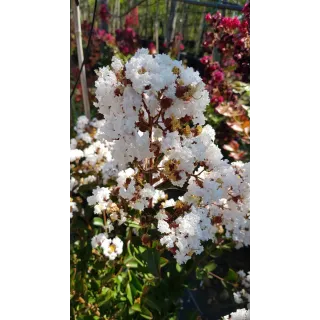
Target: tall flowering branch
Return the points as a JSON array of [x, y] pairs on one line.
[[172, 176]]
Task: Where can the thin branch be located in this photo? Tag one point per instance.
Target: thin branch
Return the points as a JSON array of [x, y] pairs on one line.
[[87, 49]]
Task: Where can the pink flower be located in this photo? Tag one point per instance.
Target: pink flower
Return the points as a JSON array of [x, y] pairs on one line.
[[101, 33], [217, 17], [218, 76], [235, 23], [216, 100], [125, 49], [152, 48], [208, 17], [205, 60], [104, 13]]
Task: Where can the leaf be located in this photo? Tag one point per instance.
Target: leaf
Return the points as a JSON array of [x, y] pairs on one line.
[[152, 258], [136, 282], [178, 267], [136, 307], [200, 274], [95, 284], [128, 247], [231, 276], [132, 264], [129, 294], [145, 313], [210, 267], [134, 225], [98, 222], [141, 249], [152, 304], [106, 295], [163, 262]]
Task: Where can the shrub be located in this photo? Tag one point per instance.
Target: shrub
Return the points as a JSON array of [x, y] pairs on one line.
[[163, 201]]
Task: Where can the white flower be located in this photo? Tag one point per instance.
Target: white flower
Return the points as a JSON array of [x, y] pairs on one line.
[[73, 208], [240, 314], [163, 226], [116, 64], [98, 240], [168, 203], [75, 154], [112, 247], [237, 297]]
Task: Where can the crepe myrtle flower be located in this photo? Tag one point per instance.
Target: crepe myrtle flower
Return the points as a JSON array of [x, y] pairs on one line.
[[154, 117], [112, 247]]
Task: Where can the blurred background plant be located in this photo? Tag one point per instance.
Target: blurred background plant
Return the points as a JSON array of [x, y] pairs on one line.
[[227, 75]]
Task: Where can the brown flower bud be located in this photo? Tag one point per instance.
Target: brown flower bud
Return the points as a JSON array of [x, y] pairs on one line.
[[165, 102], [145, 239], [181, 90], [185, 119], [155, 147], [217, 219]]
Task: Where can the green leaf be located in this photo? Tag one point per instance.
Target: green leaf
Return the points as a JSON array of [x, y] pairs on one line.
[[129, 294], [136, 282], [178, 267], [132, 264], [200, 274], [98, 222], [152, 304], [141, 249], [145, 313], [105, 296], [136, 307], [128, 247], [152, 258], [149, 276], [210, 267], [134, 225], [231, 276], [163, 261]]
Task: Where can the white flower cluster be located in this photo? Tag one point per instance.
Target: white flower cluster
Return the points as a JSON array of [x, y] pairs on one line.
[[111, 247], [93, 153], [129, 94], [153, 108], [240, 314], [90, 158], [102, 203], [243, 295]]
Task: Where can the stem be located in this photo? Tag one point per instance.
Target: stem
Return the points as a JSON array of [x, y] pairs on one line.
[[221, 279], [83, 79], [104, 218]]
